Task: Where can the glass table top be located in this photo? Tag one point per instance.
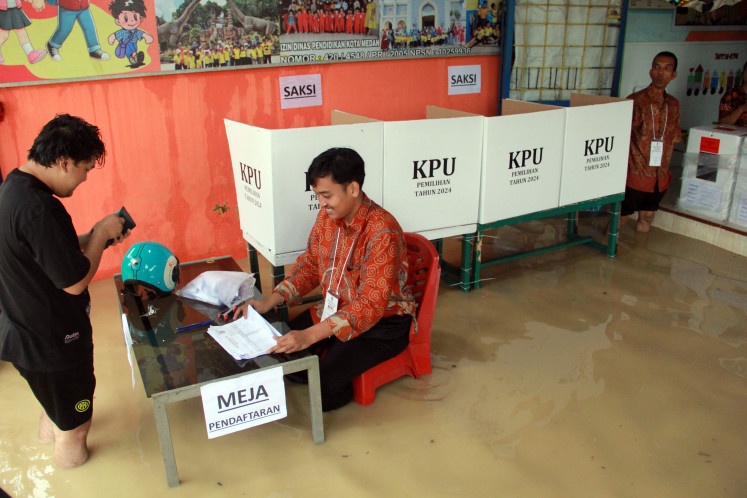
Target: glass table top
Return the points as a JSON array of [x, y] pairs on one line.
[[168, 359]]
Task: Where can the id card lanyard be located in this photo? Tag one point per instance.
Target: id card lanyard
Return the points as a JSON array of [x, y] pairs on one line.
[[657, 145], [332, 297]]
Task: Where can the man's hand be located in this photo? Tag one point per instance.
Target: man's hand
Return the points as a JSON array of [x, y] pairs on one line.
[[293, 341], [296, 340], [110, 227], [261, 306]]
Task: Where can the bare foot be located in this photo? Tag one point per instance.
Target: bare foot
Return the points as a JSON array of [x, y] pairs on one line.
[[46, 429], [70, 448]]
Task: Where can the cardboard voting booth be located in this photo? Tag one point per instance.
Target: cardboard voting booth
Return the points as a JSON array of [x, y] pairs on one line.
[[738, 211], [432, 174], [522, 160], [277, 207], [595, 152], [431, 171], [711, 159]]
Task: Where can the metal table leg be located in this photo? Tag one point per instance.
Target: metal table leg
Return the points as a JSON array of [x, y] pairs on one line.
[[164, 438], [315, 400]]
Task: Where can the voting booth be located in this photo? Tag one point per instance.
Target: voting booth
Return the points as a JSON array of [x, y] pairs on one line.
[[595, 152], [711, 160], [432, 174], [738, 211], [277, 207], [431, 170], [522, 160]]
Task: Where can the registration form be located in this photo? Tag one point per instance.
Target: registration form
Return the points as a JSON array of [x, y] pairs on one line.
[[246, 337]]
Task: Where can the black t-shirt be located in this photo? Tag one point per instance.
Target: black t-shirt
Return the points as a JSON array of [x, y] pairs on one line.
[[42, 327]]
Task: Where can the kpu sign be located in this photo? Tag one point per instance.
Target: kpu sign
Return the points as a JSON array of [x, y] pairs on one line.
[[236, 404], [432, 174], [522, 162]]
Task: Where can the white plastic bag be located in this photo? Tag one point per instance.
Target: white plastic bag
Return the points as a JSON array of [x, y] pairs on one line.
[[221, 288]]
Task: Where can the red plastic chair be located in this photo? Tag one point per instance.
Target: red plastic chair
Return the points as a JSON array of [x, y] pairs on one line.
[[415, 360]]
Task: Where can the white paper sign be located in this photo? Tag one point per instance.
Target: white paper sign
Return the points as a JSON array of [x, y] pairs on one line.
[[236, 404], [702, 196], [742, 209], [464, 79], [300, 91], [128, 345]]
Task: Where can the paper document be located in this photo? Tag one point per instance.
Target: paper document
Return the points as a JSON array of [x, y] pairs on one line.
[[245, 338]]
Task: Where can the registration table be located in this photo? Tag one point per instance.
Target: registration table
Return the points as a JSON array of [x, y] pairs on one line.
[[174, 366]]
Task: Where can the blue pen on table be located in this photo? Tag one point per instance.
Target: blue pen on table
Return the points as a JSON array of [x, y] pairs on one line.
[[184, 328]]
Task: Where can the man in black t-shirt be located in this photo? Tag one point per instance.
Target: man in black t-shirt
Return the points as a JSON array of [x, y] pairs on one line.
[[45, 268]]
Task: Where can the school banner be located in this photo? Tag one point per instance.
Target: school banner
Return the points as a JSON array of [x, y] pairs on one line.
[[67, 39]]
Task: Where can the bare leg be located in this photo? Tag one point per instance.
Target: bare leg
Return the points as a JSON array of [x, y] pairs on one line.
[[46, 429], [70, 449], [644, 221]]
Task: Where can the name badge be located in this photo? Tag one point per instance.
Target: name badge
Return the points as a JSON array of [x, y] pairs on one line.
[[330, 305], [657, 150]]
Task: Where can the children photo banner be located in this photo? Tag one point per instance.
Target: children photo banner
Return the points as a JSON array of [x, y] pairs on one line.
[[68, 39]]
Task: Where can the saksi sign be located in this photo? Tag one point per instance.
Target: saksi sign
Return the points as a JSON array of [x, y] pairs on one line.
[[300, 91], [236, 404], [464, 79]]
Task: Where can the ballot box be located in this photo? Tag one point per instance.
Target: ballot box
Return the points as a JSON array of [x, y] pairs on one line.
[[738, 210], [522, 159], [709, 165], [277, 206], [595, 152]]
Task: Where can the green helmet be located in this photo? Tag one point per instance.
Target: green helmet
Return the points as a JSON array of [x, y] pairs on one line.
[[151, 264]]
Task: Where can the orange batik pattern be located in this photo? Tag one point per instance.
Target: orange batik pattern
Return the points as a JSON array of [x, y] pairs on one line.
[[372, 255]]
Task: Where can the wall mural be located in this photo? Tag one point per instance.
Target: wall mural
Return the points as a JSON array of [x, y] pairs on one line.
[[68, 39]]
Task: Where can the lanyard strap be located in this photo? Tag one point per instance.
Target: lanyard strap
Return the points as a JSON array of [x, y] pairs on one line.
[[653, 123], [334, 260]]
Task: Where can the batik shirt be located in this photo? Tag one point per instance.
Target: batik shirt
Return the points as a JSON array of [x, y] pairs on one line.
[[652, 116], [732, 99], [373, 284]]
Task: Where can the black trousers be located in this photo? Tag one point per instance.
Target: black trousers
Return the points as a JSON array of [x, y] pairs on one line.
[[342, 361]]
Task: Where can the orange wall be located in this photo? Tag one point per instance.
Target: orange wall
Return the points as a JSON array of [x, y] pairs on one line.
[[167, 153]]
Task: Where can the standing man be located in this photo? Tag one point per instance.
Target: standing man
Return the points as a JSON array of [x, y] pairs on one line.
[[357, 253], [655, 130], [45, 268]]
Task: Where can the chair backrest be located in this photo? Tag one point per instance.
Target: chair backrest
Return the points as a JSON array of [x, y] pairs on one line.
[[424, 276]]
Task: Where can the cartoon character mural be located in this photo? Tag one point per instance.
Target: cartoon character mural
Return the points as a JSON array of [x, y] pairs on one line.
[[128, 15], [68, 12], [12, 18]]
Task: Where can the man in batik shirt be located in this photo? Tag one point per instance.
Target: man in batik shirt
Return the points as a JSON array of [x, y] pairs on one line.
[[356, 251], [655, 130]]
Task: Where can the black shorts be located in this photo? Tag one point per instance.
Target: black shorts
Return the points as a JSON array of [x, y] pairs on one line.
[[635, 200], [66, 396]]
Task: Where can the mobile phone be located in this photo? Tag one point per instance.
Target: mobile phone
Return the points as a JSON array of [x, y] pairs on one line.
[[129, 224]]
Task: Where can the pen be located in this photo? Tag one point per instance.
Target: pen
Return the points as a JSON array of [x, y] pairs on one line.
[[184, 328]]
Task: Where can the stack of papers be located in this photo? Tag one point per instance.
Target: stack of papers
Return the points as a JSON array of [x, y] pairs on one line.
[[246, 337]]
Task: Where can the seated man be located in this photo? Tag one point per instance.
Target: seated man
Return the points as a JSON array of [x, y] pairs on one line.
[[357, 253]]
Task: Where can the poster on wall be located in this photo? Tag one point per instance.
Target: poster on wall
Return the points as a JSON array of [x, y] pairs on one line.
[[705, 71], [66, 39], [60, 39]]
